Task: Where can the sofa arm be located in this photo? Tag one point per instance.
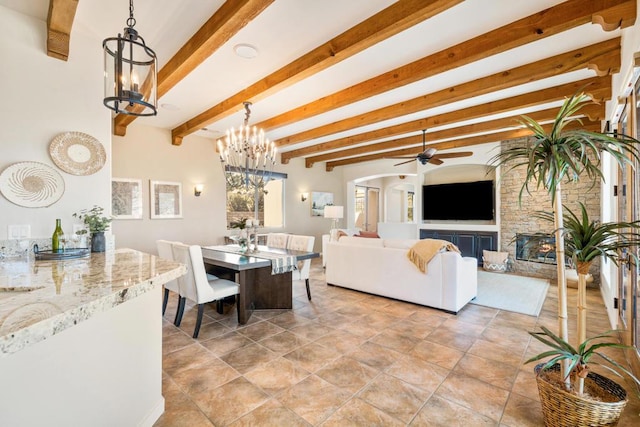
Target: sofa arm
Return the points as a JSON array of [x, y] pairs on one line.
[[460, 280]]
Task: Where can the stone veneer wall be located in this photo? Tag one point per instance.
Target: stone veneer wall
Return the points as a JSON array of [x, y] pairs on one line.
[[517, 217]]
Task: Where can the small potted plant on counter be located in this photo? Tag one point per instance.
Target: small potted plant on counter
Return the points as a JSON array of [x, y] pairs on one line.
[[97, 223]]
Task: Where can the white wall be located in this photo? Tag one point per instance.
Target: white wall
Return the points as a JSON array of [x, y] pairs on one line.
[[41, 98], [146, 153]]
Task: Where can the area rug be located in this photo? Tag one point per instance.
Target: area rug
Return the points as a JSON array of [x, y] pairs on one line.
[[509, 292]]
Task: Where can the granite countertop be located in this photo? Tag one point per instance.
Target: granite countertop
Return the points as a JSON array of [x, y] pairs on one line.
[[39, 299]]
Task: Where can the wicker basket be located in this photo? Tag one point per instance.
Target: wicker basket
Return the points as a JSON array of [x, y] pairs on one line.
[[563, 409]]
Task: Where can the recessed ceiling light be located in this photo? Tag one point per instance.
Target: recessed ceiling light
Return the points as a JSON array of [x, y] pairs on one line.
[[246, 51], [170, 107]]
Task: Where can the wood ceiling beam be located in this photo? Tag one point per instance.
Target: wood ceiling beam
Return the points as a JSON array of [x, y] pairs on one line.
[[396, 18], [230, 18], [554, 20], [603, 58], [599, 88], [590, 110], [458, 143], [59, 24]]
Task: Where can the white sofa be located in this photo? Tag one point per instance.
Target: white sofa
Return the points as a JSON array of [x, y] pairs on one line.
[[381, 267]]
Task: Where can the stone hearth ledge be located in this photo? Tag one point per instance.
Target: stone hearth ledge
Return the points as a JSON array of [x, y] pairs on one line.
[[66, 293]]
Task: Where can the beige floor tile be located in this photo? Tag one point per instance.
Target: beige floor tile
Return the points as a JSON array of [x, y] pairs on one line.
[[342, 341], [441, 355], [466, 391], [395, 397], [248, 357], [284, 342], [498, 374], [440, 412], [395, 341], [312, 330], [415, 371], [374, 355], [200, 378], [186, 358], [488, 350], [459, 341], [314, 399], [175, 342], [271, 414], [359, 413], [347, 373], [312, 356], [339, 335], [522, 412], [261, 330], [230, 401], [277, 375]]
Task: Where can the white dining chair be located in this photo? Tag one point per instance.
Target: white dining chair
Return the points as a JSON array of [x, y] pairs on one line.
[[277, 240], [302, 243], [165, 251], [196, 286]]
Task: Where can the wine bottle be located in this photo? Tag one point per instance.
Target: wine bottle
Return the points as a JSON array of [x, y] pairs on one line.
[[57, 234]]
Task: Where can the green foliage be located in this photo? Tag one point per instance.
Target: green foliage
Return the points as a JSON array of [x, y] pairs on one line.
[[240, 224], [94, 219], [586, 239], [562, 153], [579, 358]]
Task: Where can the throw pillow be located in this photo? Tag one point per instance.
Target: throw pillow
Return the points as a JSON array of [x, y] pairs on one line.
[[340, 234], [368, 234]]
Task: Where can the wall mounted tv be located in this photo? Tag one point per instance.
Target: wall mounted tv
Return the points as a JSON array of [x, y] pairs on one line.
[[458, 201]]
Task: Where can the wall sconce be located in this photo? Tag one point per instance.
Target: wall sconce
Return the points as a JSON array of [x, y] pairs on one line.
[[304, 196], [197, 190]]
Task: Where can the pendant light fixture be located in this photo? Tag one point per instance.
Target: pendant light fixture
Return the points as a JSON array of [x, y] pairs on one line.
[[130, 73]]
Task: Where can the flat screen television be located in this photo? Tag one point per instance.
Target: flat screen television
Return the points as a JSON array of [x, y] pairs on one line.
[[458, 201]]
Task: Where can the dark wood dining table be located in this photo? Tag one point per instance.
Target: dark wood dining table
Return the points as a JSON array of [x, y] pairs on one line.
[[259, 288]]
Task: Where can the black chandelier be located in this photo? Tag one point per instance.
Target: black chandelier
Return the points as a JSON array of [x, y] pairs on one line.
[[130, 73]]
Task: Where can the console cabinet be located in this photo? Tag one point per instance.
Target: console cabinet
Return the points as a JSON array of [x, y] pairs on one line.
[[470, 243]]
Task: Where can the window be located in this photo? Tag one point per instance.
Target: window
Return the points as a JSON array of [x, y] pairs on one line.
[[410, 201], [242, 200]]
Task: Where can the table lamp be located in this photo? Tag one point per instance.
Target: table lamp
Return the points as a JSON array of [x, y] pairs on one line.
[[335, 213]]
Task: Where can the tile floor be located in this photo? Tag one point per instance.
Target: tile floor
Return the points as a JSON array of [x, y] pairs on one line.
[[352, 359]]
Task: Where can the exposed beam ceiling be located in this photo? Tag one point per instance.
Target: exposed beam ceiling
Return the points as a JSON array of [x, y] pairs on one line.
[[59, 24], [390, 21], [349, 82]]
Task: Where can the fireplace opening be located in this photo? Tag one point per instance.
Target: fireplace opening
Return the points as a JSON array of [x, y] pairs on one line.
[[535, 248]]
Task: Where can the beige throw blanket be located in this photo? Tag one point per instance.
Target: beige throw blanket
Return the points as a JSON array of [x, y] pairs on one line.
[[421, 253]]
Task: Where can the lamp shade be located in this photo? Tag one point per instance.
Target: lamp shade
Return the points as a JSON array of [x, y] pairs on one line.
[[334, 212]]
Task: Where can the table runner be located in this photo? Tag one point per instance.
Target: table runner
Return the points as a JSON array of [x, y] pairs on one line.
[[280, 263]]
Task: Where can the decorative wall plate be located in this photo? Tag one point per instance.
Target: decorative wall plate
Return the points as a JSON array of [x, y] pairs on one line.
[[77, 153], [31, 184]]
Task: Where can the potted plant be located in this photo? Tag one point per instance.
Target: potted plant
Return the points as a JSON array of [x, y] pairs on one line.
[[562, 151], [97, 223], [590, 399]]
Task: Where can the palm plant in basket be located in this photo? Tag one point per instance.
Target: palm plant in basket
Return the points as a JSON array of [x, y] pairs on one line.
[[563, 151], [592, 399]]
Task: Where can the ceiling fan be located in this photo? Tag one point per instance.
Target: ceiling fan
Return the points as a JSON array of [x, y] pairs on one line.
[[428, 155]]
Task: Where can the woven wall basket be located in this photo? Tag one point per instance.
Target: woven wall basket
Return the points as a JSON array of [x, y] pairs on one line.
[[563, 409]]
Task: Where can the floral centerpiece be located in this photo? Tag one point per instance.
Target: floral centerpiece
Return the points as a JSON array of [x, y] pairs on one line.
[[242, 238]]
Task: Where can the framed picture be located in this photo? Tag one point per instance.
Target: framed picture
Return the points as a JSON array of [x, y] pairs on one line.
[[166, 199], [318, 201], [126, 198]]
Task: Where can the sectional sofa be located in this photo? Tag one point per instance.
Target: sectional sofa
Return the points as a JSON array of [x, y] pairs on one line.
[[381, 267]]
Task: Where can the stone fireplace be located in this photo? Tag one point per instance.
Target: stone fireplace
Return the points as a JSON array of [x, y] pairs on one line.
[[517, 217]]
